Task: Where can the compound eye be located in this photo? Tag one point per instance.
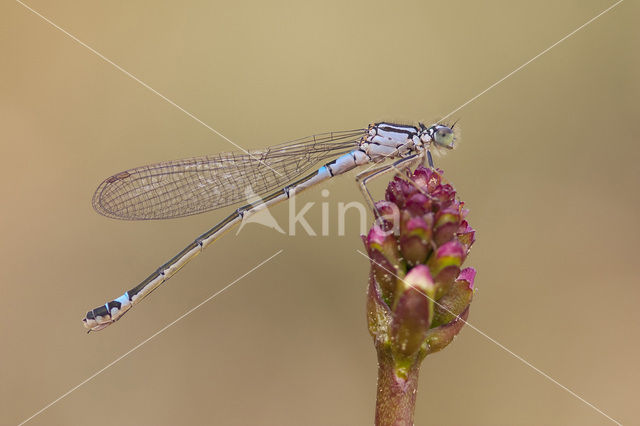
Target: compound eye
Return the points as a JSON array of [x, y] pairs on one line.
[[444, 137]]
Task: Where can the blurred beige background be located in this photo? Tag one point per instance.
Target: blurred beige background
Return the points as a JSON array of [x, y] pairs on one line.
[[548, 166]]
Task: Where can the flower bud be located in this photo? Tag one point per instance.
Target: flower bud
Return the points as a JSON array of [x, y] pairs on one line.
[[389, 216], [378, 312], [397, 192], [447, 223], [456, 300], [445, 264], [428, 179], [413, 311], [439, 337], [418, 204], [466, 235], [415, 235], [385, 260], [418, 296]]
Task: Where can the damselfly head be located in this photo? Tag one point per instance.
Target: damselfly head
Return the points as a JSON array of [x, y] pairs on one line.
[[443, 136], [440, 138]]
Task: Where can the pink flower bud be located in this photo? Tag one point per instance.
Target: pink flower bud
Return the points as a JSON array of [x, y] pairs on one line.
[[419, 295], [413, 311]]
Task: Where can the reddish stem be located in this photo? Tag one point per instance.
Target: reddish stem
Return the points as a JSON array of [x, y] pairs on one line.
[[396, 397]]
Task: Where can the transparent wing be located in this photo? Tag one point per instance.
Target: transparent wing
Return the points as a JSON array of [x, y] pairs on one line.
[[195, 185]]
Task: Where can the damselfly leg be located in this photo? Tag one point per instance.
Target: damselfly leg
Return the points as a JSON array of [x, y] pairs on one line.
[[369, 175]]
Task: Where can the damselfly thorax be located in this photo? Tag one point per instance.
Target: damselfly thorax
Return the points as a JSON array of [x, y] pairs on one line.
[[186, 187]]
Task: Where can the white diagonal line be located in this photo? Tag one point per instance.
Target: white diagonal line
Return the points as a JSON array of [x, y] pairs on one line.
[[149, 338], [532, 59], [503, 347], [517, 69], [145, 85]]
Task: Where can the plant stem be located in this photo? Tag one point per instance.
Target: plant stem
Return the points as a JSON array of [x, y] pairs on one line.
[[396, 397]]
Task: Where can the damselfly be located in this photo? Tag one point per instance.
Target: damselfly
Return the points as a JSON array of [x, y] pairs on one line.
[[185, 187]]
